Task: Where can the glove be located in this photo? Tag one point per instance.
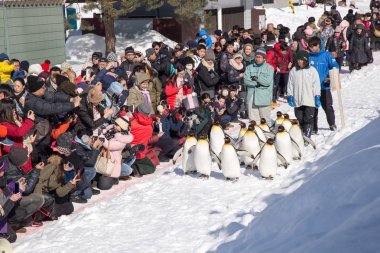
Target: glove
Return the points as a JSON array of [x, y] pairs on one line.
[[317, 101], [291, 101], [254, 78]]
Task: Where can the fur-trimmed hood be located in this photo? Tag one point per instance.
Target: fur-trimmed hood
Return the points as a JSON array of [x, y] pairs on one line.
[[55, 160]]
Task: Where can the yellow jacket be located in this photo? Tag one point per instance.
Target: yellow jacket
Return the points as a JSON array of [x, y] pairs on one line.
[[5, 71]]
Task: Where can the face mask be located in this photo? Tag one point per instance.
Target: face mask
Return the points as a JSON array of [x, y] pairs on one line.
[[225, 93]]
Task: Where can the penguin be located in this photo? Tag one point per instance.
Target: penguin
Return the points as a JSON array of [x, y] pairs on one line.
[[263, 125], [277, 122], [286, 122], [202, 157], [283, 144], [188, 164], [259, 132], [267, 160], [250, 142], [216, 138], [297, 140], [243, 130], [229, 161]]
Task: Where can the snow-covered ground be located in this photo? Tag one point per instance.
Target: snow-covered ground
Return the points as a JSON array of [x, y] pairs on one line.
[[328, 202]]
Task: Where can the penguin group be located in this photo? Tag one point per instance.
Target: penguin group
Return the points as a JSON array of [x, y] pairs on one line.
[[256, 147]]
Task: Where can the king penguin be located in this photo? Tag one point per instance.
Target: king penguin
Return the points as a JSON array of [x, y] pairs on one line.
[[283, 144], [277, 122], [188, 164], [251, 144], [202, 157], [259, 132], [298, 142], [287, 124], [216, 139], [229, 161]]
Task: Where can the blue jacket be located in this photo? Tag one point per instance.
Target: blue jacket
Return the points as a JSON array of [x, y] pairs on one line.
[[323, 61], [208, 39]]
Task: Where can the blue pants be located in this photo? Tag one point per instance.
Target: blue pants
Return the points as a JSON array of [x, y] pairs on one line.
[[85, 189], [126, 168]]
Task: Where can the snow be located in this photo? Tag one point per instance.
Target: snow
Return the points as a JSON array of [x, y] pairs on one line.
[[327, 202]]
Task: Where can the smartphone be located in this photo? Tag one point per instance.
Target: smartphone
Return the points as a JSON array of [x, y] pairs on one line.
[[17, 187]]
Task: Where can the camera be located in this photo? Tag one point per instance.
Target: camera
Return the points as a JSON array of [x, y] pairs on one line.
[[110, 134]]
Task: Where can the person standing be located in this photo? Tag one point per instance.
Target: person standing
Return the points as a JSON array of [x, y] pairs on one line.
[[304, 91], [258, 78], [323, 61]]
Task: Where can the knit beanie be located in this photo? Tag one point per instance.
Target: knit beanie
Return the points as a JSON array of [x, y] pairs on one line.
[[35, 69], [186, 60], [237, 55], [46, 66], [144, 109], [75, 160], [95, 96], [302, 55], [3, 57], [18, 156], [24, 65], [64, 142], [210, 55], [129, 50], [112, 57], [149, 52], [262, 52], [123, 122], [34, 83]]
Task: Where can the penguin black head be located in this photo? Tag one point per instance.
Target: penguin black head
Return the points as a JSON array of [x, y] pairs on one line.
[[286, 116], [279, 114], [203, 136], [295, 122], [270, 141], [281, 129], [263, 121], [252, 125], [227, 140], [191, 134], [243, 125], [216, 123]]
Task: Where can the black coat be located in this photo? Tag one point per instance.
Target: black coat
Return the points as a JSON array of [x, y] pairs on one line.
[[206, 80], [86, 115], [89, 157], [50, 104], [233, 78], [360, 52], [162, 66]]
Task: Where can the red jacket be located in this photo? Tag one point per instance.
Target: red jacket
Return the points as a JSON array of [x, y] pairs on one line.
[[171, 91], [271, 58], [142, 130], [283, 60], [15, 133]]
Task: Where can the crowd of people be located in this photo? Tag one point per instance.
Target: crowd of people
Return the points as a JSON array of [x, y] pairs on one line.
[[64, 135]]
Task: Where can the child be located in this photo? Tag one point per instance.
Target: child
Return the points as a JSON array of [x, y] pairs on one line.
[[220, 113], [233, 104]]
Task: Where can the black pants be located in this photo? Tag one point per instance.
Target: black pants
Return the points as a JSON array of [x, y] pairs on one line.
[[25, 208], [168, 146], [280, 85], [63, 206], [305, 116], [11, 235], [339, 60], [106, 183], [327, 105]]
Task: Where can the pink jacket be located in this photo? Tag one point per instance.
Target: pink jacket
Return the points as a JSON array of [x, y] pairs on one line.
[[117, 144]]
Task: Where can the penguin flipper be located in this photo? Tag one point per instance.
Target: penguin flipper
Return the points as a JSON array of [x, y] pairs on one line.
[[310, 141], [177, 155], [256, 160], [258, 137], [282, 160], [191, 149], [216, 158], [269, 135], [295, 145], [234, 141]]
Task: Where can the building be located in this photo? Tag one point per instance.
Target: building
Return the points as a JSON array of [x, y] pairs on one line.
[[33, 30]]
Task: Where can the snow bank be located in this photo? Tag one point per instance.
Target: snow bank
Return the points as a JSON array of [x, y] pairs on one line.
[[80, 48], [338, 210]]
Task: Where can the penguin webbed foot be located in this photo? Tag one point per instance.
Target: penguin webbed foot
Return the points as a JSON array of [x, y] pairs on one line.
[[232, 179], [268, 178], [204, 177]]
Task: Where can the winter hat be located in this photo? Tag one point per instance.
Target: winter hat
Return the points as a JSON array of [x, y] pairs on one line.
[[149, 52], [34, 83], [68, 88], [44, 75], [97, 54], [60, 79], [210, 55], [218, 32], [75, 160], [262, 52], [18, 156], [311, 20], [46, 66], [3, 136], [123, 122], [237, 55], [191, 44], [35, 69], [308, 31], [248, 45], [141, 77], [164, 52], [3, 57], [302, 55], [129, 50], [64, 142], [95, 96], [186, 60], [103, 60], [144, 109], [115, 88], [112, 57], [24, 65]]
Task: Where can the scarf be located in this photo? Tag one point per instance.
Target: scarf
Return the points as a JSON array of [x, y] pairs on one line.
[[235, 65], [146, 96], [209, 67]]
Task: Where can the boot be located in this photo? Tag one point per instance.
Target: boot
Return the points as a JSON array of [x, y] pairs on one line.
[[307, 129]]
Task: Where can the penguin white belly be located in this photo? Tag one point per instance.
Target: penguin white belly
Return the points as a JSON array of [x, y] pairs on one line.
[[264, 127], [202, 158], [297, 136], [251, 144], [230, 162], [284, 146], [277, 123], [216, 140], [260, 134], [188, 159], [268, 162], [287, 125]]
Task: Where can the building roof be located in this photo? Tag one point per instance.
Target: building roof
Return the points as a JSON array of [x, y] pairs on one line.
[[10, 3]]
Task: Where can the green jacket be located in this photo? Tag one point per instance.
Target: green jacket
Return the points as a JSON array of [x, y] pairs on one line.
[[48, 179], [262, 89]]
